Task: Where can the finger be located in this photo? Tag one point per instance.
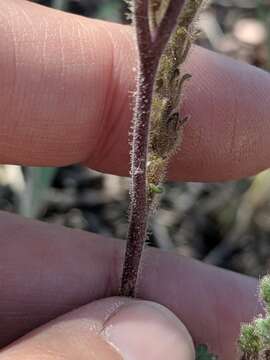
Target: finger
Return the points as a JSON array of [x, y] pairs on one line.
[[114, 328], [66, 98], [48, 270]]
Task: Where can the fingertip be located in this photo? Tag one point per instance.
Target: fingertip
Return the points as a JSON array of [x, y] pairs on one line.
[[109, 329], [146, 330]]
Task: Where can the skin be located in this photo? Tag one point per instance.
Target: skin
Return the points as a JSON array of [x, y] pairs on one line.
[[65, 97]]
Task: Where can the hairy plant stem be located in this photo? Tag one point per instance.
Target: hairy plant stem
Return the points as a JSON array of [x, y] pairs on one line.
[[138, 223], [151, 45]]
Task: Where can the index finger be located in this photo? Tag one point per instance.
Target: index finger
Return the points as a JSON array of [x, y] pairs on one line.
[[66, 97]]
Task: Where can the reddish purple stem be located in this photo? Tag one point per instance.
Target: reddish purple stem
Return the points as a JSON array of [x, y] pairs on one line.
[[151, 47]]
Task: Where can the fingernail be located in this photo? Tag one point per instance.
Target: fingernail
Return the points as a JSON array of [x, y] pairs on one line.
[[145, 330]]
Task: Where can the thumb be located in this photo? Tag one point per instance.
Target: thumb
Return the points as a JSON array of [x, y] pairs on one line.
[[108, 329]]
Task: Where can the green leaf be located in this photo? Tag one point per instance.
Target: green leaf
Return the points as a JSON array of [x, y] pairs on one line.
[[202, 353], [154, 189]]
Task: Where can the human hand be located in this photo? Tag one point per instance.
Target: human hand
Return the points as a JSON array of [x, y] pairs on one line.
[[65, 98]]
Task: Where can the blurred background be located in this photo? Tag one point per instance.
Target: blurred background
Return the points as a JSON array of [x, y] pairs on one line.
[[226, 224]]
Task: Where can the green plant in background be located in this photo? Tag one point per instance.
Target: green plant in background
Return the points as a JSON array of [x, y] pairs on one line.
[[202, 353], [254, 341]]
